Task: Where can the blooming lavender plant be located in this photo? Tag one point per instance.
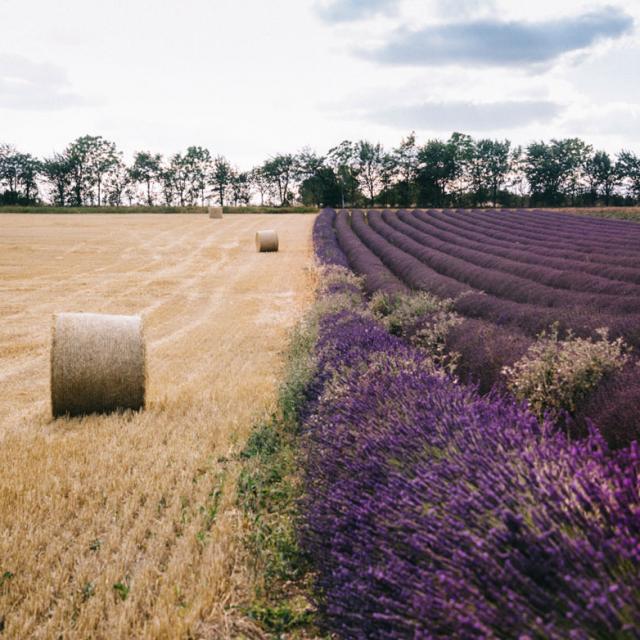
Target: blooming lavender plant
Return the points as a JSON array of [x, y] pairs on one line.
[[433, 513], [325, 243]]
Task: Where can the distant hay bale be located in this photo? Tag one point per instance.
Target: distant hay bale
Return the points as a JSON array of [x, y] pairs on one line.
[[267, 240], [215, 212], [97, 363]]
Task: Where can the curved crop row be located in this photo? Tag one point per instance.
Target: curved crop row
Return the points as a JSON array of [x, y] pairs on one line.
[[506, 239], [411, 270], [525, 225], [603, 294], [504, 285], [363, 261], [475, 239], [325, 242]]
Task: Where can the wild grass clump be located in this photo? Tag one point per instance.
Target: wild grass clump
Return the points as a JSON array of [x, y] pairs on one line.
[[557, 376]]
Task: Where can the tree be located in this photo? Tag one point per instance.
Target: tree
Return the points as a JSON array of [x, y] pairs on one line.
[[117, 182], [369, 158], [403, 163], [602, 176], [178, 172], [221, 177], [279, 172], [90, 157], [197, 166], [260, 182], [342, 159], [491, 163], [441, 165], [241, 187], [146, 169], [628, 171], [18, 173], [554, 170], [318, 183], [57, 171]]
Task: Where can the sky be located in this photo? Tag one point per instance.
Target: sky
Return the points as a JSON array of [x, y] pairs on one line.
[[251, 78]]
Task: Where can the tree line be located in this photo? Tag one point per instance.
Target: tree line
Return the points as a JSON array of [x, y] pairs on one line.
[[457, 172]]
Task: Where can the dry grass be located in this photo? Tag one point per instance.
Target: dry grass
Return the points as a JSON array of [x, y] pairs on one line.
[[126, 526]]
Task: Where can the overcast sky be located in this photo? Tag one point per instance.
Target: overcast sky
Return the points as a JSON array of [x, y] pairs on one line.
[[250, 78]]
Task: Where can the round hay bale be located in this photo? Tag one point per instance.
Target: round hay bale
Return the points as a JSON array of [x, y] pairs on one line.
[[267, 240], [98, 363], [215, 212]]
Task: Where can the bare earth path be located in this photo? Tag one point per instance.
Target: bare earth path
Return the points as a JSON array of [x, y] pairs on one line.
[[126, 526]]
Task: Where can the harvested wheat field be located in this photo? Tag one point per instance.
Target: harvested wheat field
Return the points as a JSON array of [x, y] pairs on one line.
[[126, 526]]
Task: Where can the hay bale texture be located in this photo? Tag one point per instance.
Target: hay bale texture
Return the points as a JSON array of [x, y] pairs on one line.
[[215, 212], [267, 240], [98, 363]]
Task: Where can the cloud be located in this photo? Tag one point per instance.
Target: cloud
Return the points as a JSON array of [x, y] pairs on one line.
[[39, 86], [612, 119], [490, 42], [467, 116], [464, 8], [351, 10]]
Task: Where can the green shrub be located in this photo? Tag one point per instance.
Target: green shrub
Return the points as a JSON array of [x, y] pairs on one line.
[[557, 375], [400, 314]]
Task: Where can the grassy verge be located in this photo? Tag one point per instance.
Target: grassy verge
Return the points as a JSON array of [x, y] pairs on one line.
[[144, 209], [268, 493], [270, 209]]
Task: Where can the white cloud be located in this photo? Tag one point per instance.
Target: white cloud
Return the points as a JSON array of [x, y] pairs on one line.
[[42, 86]]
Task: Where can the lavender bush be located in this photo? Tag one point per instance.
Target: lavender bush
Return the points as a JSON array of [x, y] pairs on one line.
[[325, 242], [433, 513]]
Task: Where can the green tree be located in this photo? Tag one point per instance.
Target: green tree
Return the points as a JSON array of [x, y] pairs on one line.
[[90, 157], [241, 187], [554, 170], [628, 171], [197, 166], [342, 159], [57, 171], [19, 174], [369, 163], [402, 164], [279, 172], [179, 174], [491, 163], [146, 170], [602, 176], [441, 166], [260, 182], [318, 184], [221, 177], [117, 183]]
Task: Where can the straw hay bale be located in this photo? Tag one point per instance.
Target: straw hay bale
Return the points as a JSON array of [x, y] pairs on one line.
[[267, 240], [98, 363], [215, 212]]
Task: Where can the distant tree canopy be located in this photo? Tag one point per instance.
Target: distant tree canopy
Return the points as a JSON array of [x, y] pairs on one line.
[[458, 172]]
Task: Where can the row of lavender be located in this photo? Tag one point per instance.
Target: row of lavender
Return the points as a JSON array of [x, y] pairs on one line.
[[508, 294], [432, 512]]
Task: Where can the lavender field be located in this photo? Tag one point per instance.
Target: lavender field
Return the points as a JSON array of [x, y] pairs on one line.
[[470, 433]]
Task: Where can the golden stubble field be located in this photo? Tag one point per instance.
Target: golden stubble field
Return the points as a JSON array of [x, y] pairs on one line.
[[126, 526]]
